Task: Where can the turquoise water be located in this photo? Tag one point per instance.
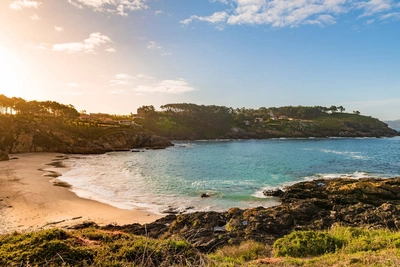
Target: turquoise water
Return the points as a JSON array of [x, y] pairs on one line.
[[233, 173]]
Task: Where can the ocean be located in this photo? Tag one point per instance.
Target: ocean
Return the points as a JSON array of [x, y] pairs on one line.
[[234, 173]]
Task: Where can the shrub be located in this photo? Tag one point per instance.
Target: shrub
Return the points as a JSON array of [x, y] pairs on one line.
[[306, 243], [246, 251]]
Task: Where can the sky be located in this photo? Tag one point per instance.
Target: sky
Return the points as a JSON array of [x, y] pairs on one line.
[[113, 56]]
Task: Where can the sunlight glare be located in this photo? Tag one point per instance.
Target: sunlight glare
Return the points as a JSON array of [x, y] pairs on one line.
[[9, 81]]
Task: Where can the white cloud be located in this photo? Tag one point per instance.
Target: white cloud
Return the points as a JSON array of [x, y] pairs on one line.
[[126, 79], [166, 54], [87, 46], [220, 28], [152, 45], [34, 17], [59, 29], [178, 86], [111, 50], [372, 7], [41, 46], [285, 13], [214, 18], [120, 7], [221, 1], [393, 15], [158, 12], [321, 20], [20, 4]]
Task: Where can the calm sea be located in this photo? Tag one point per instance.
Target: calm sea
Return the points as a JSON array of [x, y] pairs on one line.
[[234, 173]]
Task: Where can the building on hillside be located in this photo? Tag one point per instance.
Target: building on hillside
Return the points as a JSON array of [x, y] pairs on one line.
[[126, 122]]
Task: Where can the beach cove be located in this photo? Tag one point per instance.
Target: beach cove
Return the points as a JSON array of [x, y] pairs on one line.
[[30, 200]]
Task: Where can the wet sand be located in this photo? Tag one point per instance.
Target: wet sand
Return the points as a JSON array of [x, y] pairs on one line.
[[31, 197]]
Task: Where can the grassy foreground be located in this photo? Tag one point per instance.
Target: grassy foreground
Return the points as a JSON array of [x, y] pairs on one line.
[[339, 246]]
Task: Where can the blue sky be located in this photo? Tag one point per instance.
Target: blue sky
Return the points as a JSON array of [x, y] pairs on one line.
[[116, 55]]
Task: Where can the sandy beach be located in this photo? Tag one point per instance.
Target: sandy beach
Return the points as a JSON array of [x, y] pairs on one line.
[[31, 197]]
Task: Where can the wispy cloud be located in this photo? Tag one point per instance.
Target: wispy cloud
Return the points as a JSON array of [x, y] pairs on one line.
[[152, 45], [123, 83], [87, 46], [34, 17], [158, 12], [374, 6], [59, 29], [393, 15], [20, 4], [41, 46], [214, 18], [284, 13], [221, 1], [120, 7], [126, 79], [110, 50], [178, 86]]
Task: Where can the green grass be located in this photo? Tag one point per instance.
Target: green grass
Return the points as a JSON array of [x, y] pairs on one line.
[[352, 247], [92, 247], [339, 246]]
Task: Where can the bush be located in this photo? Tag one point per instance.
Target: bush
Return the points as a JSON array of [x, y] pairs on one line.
[[246, 251], [306, 243]]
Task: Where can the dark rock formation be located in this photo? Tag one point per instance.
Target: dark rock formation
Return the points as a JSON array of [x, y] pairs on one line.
[[26, 135], [314, 205]]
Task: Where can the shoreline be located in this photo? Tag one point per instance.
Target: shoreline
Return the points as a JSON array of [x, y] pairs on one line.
[[31, 197]]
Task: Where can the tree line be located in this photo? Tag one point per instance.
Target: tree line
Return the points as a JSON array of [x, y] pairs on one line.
[[17, 105], [219, 113]]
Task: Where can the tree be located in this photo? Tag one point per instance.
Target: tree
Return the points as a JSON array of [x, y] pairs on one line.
[[356, 112], [333, 109], [146, 110], [341, 109]]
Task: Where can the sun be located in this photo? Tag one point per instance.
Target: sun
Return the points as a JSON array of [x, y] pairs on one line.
[[10, 82]]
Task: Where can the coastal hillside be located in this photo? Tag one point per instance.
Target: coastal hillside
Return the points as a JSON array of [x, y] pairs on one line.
[[190, 122], [48, 126]]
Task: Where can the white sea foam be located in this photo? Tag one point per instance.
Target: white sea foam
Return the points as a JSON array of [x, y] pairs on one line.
[[352, 154]]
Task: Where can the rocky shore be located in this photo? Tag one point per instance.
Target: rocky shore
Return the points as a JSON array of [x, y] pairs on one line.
[[312, 205]]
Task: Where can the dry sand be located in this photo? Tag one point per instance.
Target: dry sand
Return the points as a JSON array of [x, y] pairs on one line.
[[30, 200]]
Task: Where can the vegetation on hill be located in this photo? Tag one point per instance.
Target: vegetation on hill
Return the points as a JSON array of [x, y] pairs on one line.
[[17, 105], [338, 246], [190, 121], [36, 126]]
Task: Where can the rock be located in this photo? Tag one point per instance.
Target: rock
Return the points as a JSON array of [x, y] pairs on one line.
[[311, 205], [3, 156], [273, 193], [205, 195]]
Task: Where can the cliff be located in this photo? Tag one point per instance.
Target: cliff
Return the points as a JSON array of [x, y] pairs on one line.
[[21, 135]]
